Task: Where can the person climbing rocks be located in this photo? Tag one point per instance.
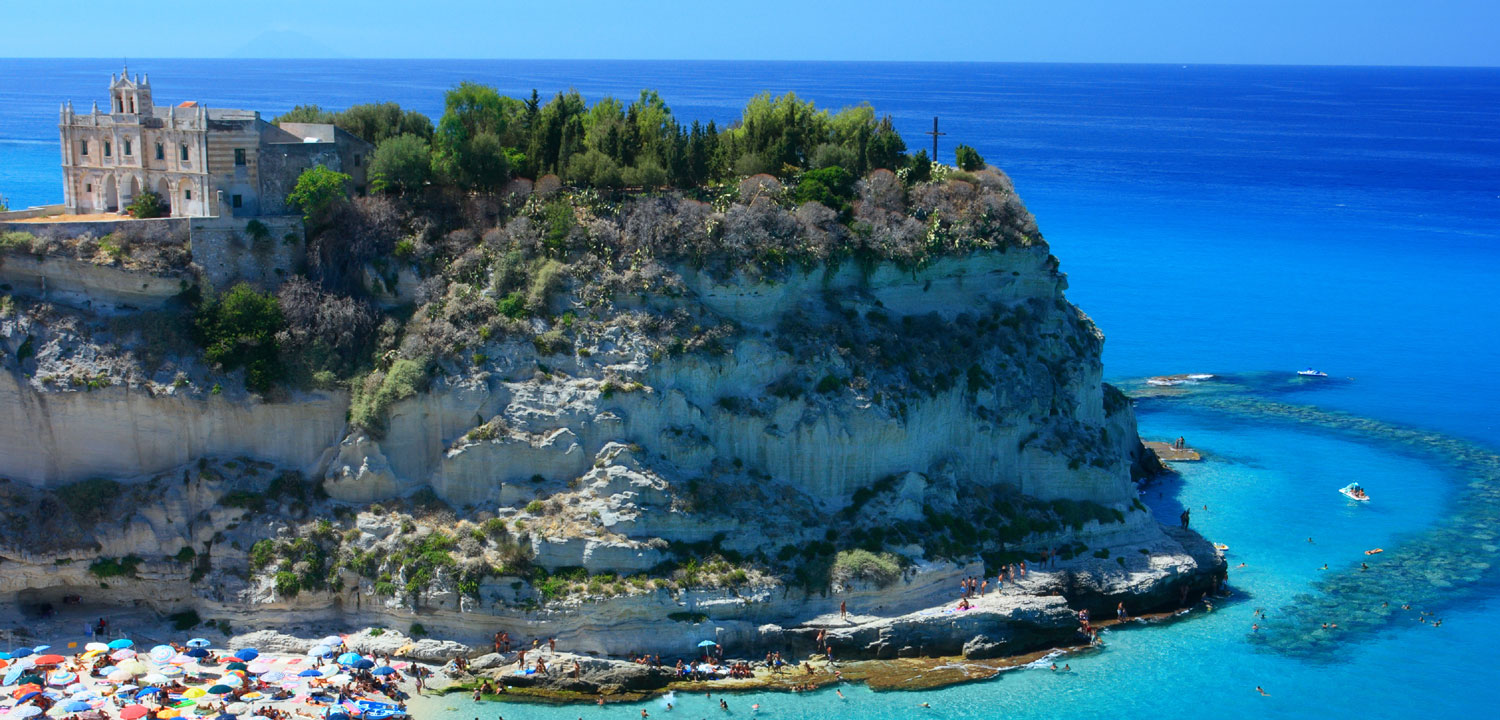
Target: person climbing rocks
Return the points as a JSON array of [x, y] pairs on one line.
[[1187, 516]]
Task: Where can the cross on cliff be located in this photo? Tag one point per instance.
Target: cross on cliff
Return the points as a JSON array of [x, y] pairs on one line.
[[934, 135]]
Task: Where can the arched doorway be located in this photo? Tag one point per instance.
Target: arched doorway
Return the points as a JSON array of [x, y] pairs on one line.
[[130, 189], [111, 195], [164, 193]]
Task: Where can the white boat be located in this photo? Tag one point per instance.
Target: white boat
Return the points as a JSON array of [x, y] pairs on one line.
[[1312, 373], [1354, 492]]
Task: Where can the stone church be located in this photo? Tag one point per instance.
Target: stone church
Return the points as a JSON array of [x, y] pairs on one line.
[[202, 161]]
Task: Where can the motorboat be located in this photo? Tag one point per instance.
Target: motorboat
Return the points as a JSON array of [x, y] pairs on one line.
[[1312, 373], [1354, 492]]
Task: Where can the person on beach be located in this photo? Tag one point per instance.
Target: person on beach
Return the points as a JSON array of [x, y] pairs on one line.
[[552, 644], [984, 587], [1120, 612]]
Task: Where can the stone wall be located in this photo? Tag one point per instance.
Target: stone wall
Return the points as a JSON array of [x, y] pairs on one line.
[[175, 226], [263, 251]]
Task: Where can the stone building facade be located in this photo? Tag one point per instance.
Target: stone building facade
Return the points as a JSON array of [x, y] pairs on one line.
[[203, 162]]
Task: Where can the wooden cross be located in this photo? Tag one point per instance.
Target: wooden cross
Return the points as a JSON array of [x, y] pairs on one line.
[[934, 135]]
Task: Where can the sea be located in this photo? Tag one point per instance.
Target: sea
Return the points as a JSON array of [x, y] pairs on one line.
[[1246, 222]]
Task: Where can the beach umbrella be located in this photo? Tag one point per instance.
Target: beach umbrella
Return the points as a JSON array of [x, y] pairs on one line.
[[707, 643], [252, 696], [231, 681], [220, 689], [180, 659], [121, 643], [122, 654], [154, 679], [339, 679], [168, 713], [237, 708], [198, 643], [31, 682], [332, 641], [273, 676], [96, 647], [23, 711], [134, 667], [119, 675], [259, 668], [383, 670], [41, 648], [197, 653], [236, 666], [247, 654], [337, 715], [162, 653], [310, 672], [50, 660], [62, 678], [363, 663], [146, 691], [25, 694], [74, 706], [4, 656], [319, 651], [131, 712], [194, 693], [348, 658], [172, 671], [21, 652]]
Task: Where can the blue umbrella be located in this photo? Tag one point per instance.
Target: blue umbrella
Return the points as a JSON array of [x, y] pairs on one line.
[[363, 663], [309, 673], [12, 675], [320, 651], [198, 643], [383, 670], [348, 658], [41, 648], [26, 711], [77, 706], [337, 715], [147, 691], [197, 653], [707, 643], [120, 644], [28, 696], [4, 656], [20, 652], [247, 654]]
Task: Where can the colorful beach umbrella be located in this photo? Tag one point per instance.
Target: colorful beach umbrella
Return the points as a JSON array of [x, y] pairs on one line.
[[131, 712], [252, 696], [180, 659], [258, 668], [121, 643], [125, 654], [198, 643], [62, 678], [194, 693], [274, 676], [162, 653], [23, 711]]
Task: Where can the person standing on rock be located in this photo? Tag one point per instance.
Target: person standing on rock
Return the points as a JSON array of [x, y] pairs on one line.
[[552, 644], [1186, 517], [843, 609]]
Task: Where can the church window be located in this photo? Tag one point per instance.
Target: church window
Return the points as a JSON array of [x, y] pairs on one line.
[[127, 148], [83, 147], [88, 187], [187, 194], [184, 152], [239, 156], [161, 152], [106, 148], [236, 200]]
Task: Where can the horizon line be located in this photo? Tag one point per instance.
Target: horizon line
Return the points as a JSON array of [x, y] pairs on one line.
[[1162, 63]]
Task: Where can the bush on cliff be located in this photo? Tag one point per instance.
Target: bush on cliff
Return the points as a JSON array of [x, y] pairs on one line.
[[881, 569], [374, 395], [238, 329], [967, 158]]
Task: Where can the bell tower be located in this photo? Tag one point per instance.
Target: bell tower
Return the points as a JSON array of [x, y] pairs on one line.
[[130, 97]]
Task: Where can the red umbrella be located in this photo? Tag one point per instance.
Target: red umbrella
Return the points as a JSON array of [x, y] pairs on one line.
[[131, 712], [50, 660]]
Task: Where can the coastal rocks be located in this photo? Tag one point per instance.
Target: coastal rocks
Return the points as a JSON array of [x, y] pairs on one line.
[[995, 625], [360, 472]]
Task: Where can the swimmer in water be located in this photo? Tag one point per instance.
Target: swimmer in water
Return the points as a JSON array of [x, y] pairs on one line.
[[1262, 692], [1067, 668], [723, 705], [925, 705], [1241, 565], [840, 693], [1054, 666]]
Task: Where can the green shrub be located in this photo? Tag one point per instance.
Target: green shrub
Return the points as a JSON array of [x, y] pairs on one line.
[[89, 499], [262, 553], [238, 329], [882, 569], [146, 205], [374, 396], [104, 568], [967, 158], [534, 507]]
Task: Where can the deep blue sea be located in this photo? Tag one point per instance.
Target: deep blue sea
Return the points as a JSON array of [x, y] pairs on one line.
[[1210, 219]]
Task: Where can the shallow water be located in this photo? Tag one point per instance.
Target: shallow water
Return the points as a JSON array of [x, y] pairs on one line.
[[1210, 219]]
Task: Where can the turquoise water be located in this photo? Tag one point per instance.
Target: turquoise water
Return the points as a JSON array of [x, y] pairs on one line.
[[1211, 219]]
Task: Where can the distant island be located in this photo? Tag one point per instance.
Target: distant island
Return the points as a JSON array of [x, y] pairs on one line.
[[571, 372]]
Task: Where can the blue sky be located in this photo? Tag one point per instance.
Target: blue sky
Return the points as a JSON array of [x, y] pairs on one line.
[[1322, 32]]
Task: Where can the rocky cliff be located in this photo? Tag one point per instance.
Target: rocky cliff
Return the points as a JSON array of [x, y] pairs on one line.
[[596, 429]]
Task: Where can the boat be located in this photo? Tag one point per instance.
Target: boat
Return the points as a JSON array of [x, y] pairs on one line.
[[1312, 373], [1354, 492], [1221, 547]]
